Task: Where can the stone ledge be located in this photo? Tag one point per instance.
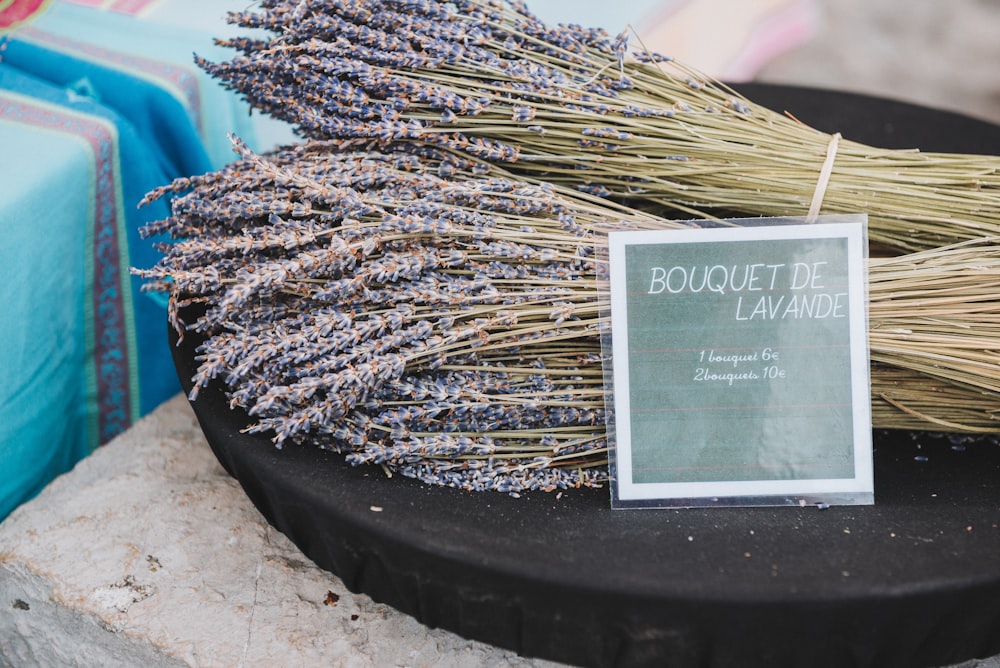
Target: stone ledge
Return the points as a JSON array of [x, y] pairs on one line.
[[148, 553]]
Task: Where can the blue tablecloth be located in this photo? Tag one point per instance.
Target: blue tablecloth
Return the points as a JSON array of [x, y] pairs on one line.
[[81, 350], [142, 70], [96, 109]]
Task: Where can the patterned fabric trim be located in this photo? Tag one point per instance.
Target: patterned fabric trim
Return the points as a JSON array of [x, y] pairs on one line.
[[112, 371]]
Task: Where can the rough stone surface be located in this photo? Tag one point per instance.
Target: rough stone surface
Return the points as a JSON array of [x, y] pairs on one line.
[[149, 554]]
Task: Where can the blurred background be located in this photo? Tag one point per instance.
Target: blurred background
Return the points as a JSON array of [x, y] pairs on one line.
[[940, 54]]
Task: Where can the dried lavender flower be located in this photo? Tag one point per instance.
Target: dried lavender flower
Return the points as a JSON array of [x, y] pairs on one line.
[[488, 79]]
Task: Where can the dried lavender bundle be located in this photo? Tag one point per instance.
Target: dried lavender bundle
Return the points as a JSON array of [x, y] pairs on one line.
[[935, 338], [562, 103], [418, 310], [400, 308]]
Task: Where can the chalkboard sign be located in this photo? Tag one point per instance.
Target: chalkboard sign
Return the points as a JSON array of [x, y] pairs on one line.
[[739, 365]]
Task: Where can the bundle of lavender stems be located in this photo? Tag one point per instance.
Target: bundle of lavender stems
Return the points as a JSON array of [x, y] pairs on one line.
[[424, 312], [569, 105], [399, 308], [415, 285]]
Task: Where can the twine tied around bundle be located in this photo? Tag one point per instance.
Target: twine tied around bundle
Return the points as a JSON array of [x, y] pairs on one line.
[[824, 179]]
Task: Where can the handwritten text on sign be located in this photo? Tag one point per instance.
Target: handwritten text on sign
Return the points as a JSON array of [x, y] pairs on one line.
[[740, 364]]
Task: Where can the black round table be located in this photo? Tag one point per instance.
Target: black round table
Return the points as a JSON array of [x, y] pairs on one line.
[[913, 580]]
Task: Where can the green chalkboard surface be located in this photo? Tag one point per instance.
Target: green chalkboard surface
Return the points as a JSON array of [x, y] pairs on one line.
[[740, 365]]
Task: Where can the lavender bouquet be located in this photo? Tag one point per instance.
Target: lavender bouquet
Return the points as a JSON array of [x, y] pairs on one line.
[[415, 285], [400, 307], [564, 104], [418, 310]]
